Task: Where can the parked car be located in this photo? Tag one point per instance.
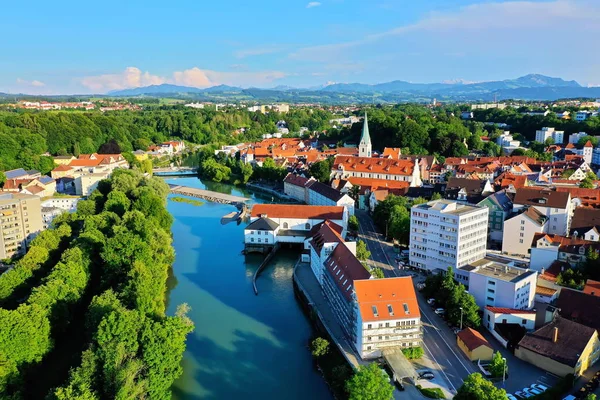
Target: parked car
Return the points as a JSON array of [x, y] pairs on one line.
[[534, 391], [426, 375], [539, 387], [520, 394], [440, 311], [526, 394], [431, 301], [510, 396]]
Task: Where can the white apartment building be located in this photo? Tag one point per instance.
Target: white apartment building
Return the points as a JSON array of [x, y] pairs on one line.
[[557, 206], [547, 132], [520, 228], [583, 115], [501, 315], [575, 137], [66, 203], [507, 140], [444, 233], [86, 183], [496, 284], [388, 315]]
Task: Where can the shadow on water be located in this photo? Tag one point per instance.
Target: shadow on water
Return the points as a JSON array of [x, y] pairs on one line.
[[243, 345]]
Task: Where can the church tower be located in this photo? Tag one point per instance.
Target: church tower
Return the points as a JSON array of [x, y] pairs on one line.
[[364, 147]]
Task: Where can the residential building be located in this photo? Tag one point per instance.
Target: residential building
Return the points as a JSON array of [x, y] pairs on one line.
[[499, 284], [501, 315], [585, 223], [520, 228], [474, 345], [48, 215], [86, 183], [592, 287], [466, 115], [555, 205], [388, 315], [574, 138], [445, 233], [295, 186], [283, 223], [140, 155], [546, 248], [20, 173], [561, 347], [469, 190], [63, 160], [583, 115], [546, 133], [345, 167], [500, 206], [364, 146], [320, 194], [64, 203], [20, 222], [579, 307], [487, 106]]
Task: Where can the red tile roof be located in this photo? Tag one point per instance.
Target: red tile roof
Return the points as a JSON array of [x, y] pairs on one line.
[[502, 310], [345, 269], [374, 165], [298, 211], [472, 339], [62, 167], [295, 180], [394, 293], [378, 183], [592, 287]]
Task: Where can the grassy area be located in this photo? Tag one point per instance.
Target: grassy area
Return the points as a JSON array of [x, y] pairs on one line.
[[432, 393], [186, 200]]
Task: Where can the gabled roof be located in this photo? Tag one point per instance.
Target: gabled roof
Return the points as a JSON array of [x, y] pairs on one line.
[[296, 180], [533, 214], [325, 190], [391, 298], [542, 198], [15, 173], [473, 187], [472, 339], [374, 165], [572, 340], [345, 269], [585, 219], [62, 168], [263, 224], [501, 199], [298, 211], [580, 307]]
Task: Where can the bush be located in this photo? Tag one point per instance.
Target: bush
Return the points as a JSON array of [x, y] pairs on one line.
[[432, 393], [413, 353], [319, 347]]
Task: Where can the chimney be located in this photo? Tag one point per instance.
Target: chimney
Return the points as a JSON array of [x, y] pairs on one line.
[[555, 335]]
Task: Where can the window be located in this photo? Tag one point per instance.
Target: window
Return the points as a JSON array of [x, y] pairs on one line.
[[522, 228], [390, 310], [521, 234], [369, 326], [387, 324], [375, 313], [554, 227], [524, 322], [259, 240], [368, 347], [488, 317], [369, 338], [380, 337], [522, 222], [520, 240], [307, 226], [285, 225], [252, 240]]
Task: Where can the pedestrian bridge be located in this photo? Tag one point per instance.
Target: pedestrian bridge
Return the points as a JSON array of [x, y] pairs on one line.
[[239, 202]]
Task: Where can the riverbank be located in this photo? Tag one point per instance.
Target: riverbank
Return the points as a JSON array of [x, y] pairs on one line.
[[279, 195]]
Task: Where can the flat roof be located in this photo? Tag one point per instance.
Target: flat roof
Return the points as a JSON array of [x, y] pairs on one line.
[[500, 271], [449, 207]]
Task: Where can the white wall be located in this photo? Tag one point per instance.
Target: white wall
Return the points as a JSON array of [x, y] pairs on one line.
[[518, 235], [505, 294], [490, 320], [542, 257], [259, 237], [558, 218]]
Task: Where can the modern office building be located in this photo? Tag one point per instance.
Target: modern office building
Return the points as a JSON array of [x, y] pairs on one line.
[[20, 222], [549, 133], [445, 233]]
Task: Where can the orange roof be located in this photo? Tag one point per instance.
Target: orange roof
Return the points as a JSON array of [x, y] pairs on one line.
[[506, 179], [592, 287], [34, 189], [502, 310], [472, 339], [391, 152], [391, 298], [570, 146], [298, 211], [374, 165], [588, 144], [85, 162], [62, 167], [378, 183], [544, 291]]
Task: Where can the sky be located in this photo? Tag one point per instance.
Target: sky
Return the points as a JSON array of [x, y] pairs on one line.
[[81, 47]]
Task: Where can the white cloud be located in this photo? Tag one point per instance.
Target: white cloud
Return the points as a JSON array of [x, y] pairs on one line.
[[133, 77], [33, 83], [517, 23], [313, 4]]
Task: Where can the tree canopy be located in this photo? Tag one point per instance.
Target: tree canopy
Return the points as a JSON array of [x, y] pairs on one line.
[[370, 382]]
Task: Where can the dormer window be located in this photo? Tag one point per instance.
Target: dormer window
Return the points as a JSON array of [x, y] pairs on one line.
[[375, 313]]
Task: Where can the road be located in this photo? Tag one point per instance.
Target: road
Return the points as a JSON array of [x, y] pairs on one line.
[[439, 341]]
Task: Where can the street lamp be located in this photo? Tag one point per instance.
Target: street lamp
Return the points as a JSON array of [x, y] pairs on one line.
[[461, 317], [503, 371]]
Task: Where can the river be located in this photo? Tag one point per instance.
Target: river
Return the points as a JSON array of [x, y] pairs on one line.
[[244, 346]]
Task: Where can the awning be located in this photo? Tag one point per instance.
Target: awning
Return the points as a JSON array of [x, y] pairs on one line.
[[401, 367]]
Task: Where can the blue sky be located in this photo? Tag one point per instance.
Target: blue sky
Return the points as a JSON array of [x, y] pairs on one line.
[[93, 47]]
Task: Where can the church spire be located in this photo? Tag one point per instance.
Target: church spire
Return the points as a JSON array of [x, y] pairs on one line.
[[364, 147]]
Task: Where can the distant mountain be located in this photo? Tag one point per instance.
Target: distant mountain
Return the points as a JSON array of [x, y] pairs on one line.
[[528, 87]]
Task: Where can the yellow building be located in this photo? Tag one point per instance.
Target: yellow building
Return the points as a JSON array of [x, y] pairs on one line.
[[141, 155], [474, 345], [561, 347], [20, 222]]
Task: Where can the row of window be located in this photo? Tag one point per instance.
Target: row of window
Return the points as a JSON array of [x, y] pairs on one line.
[[387, 324]]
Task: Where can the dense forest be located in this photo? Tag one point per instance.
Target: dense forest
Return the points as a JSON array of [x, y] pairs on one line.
[[83, 312]]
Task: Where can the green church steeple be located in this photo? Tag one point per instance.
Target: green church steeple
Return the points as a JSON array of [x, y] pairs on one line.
[[364, 147]]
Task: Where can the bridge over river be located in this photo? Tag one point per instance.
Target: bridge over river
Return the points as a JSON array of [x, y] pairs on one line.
[[175, 171], [239, 202]]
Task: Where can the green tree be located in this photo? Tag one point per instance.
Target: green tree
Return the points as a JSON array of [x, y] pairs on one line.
[[475, 387], [362, 253], [353, 223], [586, 183], [377, 273], [497, 366], [2, 179], [146, 166], [321, 170], [319, 347], [370, 382], [436, 196]]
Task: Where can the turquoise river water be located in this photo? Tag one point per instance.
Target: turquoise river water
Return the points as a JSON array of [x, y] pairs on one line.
[[244, 346]]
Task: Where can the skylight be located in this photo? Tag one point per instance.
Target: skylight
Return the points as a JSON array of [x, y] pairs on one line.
[[406, 308], [390, 310], [375, 313]]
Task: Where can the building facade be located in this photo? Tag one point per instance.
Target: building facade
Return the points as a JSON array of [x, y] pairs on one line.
[[549, 133], [445, 233], [20, 222]]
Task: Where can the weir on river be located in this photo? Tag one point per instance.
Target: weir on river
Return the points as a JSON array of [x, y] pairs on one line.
[[216, 197]]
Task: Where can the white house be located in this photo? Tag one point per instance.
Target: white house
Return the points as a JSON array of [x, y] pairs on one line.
[[444, 233], [520, 228], [501, 315], [557, 206], [547, 132], [498, 284], [295, 186], [319, 194]]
